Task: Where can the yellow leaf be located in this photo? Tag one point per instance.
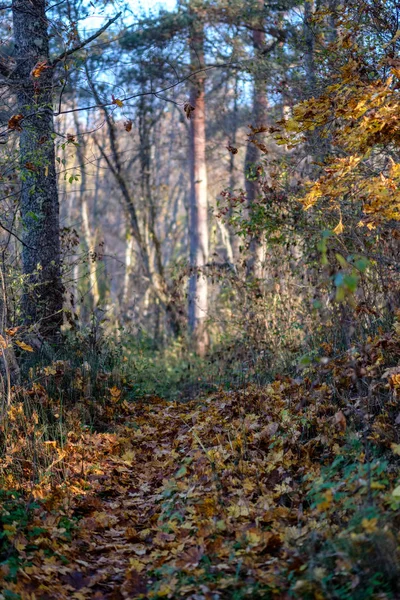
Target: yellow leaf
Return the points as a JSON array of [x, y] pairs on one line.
[[377, 486], [117, 101], [395, 448], [327, 501], [115, 394], [128, 457], [396, 492], [24, 346], [339, 228], [238, 511], [369, 525]]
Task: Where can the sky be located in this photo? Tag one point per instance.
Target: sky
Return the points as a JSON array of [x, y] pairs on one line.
[[151, 4], [98, 18]]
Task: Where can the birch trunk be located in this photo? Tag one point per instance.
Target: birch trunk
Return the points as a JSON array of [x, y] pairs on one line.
[[198, 210], [42, 300], [126, 294]]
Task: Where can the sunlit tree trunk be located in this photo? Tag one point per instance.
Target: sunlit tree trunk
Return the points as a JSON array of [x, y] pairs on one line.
[[198, 212], [9, 369], [89, 237], [42, 300], [126, 294]]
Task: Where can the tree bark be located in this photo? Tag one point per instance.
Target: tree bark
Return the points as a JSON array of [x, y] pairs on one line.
[[309, 41], [42, 300], [90, 239], [252, 160], [198, 212]]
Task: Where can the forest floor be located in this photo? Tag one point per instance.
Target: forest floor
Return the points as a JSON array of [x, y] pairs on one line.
[[254, 493]]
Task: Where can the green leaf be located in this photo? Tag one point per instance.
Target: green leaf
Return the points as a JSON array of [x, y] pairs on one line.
[[32, 215], [351, 281], [396, 492], [341, 260]]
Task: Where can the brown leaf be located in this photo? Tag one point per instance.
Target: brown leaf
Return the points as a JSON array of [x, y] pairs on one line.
[[14, 123], [188, 108], [30, 166], [128, 125], [134, 584], [340, 420], [232, 149], [191, 557]]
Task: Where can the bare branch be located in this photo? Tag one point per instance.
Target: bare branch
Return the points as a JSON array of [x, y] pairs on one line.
[[15, 236], [84, 43], [149, 93]]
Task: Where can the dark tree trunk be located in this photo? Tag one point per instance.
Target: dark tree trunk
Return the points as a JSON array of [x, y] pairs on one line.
[[252, 160], [309, 43], [198, 216], [43, 291]]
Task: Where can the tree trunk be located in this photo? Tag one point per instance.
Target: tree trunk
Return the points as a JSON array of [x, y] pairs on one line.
[[252, 160], [309, 59], [42, 300], [9, 369], [126, 294], [90, 240], [157, 279], [198, 213]]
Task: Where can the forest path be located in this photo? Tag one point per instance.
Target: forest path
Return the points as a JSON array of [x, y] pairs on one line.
[[201, 501], [104, 555]]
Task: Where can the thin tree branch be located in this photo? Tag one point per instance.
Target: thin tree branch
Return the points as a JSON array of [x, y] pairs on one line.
[[150, 93], [84, 43], [16, 236]]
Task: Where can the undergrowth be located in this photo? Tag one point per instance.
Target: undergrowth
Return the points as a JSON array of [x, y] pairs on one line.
[[279, 489]]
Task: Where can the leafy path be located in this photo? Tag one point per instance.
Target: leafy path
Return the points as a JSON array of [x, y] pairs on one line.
[[205, 501]]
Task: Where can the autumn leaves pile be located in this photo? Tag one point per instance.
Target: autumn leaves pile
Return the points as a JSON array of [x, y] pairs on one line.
[[290, 490]]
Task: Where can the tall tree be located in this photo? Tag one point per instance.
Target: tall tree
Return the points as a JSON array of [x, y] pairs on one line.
[[259, 114], [33, 80], [198, 221]]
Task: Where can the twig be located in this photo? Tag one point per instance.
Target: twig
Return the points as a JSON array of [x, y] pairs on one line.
[[16, 236], [84, 43], [138, 95]]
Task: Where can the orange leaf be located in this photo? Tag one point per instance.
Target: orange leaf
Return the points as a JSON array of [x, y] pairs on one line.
[[39, 68]]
